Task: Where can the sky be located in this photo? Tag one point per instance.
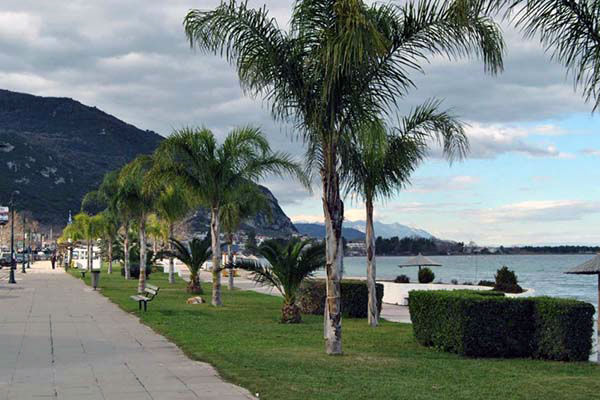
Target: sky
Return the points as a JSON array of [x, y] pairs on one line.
[[532, 176]]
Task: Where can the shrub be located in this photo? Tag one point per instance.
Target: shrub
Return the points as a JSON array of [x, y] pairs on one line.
[[563, 329], [468, 283], [488, 324], [426, 275], [134, 271], [486, 283], [454, 281], [506, 281], [402, 279], [354, 298]]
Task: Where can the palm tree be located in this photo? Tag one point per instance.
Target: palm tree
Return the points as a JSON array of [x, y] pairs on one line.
[[193, 256], [569, 31], [193, 159], [289, 265], [172, 205], [139, 198], [89, 228], [71, 234], [342, 63], [380, 162], [108, 229], [106, 198], [240, 205]]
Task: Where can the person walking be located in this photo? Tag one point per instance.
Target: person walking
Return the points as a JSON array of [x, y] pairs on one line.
[[53, 260]]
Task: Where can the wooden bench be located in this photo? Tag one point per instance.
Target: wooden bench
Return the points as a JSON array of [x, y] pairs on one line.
[[150, 292]]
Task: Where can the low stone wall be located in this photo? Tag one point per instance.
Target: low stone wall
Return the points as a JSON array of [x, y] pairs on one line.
[[397, 293]]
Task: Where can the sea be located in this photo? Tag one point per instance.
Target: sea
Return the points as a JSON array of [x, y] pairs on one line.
[[545, 274]]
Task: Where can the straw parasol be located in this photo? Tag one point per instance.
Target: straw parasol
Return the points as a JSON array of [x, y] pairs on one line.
[[420, 261], [590, 267]]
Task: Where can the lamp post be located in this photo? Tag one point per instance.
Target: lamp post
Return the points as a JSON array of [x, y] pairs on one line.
[[24, 253], [13, 261]]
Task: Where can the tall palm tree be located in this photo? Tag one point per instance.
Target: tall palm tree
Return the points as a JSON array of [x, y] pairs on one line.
[[193, 256], [172, 205], [569, 31], [240, 205], [139, 198], [288, 266], [380, 162], [194, 159], [341, 63]]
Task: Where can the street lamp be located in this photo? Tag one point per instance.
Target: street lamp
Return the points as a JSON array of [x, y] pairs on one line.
[[13, 261]]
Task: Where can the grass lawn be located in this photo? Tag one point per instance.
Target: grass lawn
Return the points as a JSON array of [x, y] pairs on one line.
[[248, 346]]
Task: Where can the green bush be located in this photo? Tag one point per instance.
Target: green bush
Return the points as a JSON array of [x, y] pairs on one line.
[[354, 298], [487, 324], [486, 283], [402, 279], [563, 329], [506, 281], [426, 275]]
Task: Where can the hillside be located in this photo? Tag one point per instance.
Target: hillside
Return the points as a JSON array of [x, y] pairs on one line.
[[54, 150]]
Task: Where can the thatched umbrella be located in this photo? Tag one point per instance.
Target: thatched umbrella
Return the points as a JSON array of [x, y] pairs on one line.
[[420, 261], [590, 267]]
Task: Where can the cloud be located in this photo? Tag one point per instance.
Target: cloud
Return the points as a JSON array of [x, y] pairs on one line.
[[442, 184], [538, 211], [591, 152]]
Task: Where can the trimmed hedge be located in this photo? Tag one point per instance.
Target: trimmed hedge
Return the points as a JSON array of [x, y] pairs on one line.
[[487, 324], [355, 298], [134, 271]]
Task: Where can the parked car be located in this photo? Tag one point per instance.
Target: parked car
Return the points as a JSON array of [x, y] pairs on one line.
[[4, 259]]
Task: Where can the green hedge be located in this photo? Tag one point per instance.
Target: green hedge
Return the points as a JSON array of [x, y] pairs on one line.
[[355, 298], [563, 329], [487, 324]]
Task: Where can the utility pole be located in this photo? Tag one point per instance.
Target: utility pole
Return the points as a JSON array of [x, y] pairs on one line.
[[23, 264]]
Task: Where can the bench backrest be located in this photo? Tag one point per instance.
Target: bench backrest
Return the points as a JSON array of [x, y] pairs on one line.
[[152, 290]]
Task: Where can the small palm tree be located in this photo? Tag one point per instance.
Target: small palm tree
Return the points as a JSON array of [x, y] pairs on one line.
[[172, 205], [194, 159], [193, 256], [139, 198], [240, 205], [380, 161], [289, 265]]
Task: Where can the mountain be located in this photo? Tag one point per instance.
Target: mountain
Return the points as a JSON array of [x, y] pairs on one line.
[[355, 230], [277, 224], [317, 231], [390, 230], [54, 150]]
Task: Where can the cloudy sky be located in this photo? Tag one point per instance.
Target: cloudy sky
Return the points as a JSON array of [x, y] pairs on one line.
[[532, 175]]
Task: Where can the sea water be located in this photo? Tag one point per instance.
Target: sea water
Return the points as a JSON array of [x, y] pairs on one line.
[[545, 274]]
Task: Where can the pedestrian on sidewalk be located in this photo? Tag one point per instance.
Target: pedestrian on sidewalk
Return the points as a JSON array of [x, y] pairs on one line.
[[53, 260]]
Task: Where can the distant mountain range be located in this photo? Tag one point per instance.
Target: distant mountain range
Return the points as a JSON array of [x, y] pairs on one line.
[[55, 150], [355, 230]]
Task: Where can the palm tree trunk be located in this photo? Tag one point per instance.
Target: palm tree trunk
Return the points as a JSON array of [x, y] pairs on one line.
[[373, 313], [333, 209], [110, 255], [216, 257], [230, 261], [142, 280], [171, 258], [126, 252]]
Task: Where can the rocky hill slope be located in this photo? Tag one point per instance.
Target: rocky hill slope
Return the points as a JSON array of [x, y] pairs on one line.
[[54, 150]]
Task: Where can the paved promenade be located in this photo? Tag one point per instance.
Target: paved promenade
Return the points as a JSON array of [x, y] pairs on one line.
[[61, 340]]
